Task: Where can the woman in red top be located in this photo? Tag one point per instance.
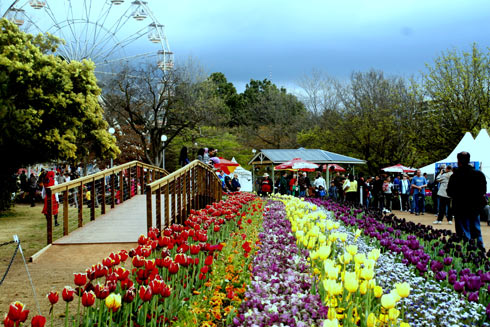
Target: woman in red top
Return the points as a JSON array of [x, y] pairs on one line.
[[266, 185], [49, 180], [293, 185]]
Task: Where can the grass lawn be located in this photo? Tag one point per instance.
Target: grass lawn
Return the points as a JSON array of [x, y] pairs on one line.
[[30, 225]]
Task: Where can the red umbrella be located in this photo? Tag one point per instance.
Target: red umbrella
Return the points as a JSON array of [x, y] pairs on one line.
[[225, 165], [297, 164], [333, 167]]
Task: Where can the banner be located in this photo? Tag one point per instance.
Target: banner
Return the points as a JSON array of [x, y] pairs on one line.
[[475, 164]]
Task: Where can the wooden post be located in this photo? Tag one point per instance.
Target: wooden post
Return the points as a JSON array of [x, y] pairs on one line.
[[49, 216], [102, 208], [113, 190], [167, 205], [121, 187], [142, 180], [184, 198], [80, 205], [65, 212], [130, 183], [159, 208], [189, 195], [179, 200], [149, 214], [92, 201]]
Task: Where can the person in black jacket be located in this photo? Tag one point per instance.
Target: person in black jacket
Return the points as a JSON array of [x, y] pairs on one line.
[[467, 188]]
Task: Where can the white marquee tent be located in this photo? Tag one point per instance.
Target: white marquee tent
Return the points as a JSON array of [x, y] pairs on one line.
[[244, 177], [479, 150]]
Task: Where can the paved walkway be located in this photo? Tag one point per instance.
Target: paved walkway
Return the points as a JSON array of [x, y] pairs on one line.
[[123, 224]]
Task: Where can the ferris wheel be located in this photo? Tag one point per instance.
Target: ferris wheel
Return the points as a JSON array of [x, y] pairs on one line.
[[111, 33]]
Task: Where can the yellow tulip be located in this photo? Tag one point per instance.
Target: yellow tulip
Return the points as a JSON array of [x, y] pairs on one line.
[[378, 291], [403, 289], [342, 237], [367, 274], [324, 252], [358, 233], [332, 314], [113, 302], [369, 264], [388, 301], [360, 258], [363, 287], [371, 320], [393, 314], [374, 254], [351, 249], [404, 324], [350, 282], [395, 295], [330, 225]]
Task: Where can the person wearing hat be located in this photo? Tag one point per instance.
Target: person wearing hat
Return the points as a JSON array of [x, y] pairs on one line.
[[49, 180], [266, 185]]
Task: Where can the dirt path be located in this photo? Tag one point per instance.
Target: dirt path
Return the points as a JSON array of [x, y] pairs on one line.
[[429, 218], [52, 271]]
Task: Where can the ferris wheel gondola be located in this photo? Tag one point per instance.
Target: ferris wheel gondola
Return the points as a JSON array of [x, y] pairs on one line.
[[111, 33]]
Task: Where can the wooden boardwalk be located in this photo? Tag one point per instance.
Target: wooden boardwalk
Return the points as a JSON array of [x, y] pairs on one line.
[[123, 224]]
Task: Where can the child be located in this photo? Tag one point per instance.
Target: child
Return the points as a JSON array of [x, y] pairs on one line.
[[332, 191]]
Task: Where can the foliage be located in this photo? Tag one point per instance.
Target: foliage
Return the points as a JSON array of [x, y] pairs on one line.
[[49, 107], [459, 98]]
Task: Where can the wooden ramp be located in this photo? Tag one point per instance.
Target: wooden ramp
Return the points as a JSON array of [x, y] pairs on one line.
[[123, 224]]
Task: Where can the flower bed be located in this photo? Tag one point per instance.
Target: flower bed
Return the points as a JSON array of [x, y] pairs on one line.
[[218, 301], [438, 256], [279, 293], [151, 283]]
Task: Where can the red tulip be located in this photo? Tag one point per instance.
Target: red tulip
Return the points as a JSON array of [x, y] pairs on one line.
[[122, 273], [7, 322], [126, 284], [123, 254], [88, 298], [115, 257], [101, 292], [205, 269], [80, 279], [230, 294], [53, 297], [145, 252], [150, 264], [216, 228], [67, 294], [195, 249], [129, 295], [142, 240], [145, 293], [173, 268], [138, 261], [180, 258], [108, 262], [209, 260], [156, 286], [17, 312]]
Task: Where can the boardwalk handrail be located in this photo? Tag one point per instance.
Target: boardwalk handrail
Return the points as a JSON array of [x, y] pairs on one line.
[[191, 187], [128, 177]]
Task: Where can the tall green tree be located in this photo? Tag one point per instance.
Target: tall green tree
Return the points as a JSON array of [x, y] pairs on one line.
[[271, 116], [49, 107], [458, 97]]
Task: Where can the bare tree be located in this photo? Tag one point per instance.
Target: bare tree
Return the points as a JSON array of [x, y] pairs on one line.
[[319, 92], [152, 103]]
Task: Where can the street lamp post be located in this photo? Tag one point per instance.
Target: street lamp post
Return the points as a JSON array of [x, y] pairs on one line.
[[112, 131], [163, 138]]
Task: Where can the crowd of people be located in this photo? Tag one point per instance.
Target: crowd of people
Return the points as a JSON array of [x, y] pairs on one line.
[[458, 194]]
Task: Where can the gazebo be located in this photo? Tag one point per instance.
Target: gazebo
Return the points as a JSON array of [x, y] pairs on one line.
[[273, 157]]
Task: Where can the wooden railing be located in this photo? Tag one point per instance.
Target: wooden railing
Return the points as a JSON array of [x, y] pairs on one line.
[[191, 187], [108, 187]]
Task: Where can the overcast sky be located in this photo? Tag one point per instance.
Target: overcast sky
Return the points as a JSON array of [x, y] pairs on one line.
[[286, 39], [283, 39]]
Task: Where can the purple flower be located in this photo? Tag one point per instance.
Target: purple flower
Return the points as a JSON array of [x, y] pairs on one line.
[[441, 275], [473, 296], [448, 261], [459, 286], [473, 283]]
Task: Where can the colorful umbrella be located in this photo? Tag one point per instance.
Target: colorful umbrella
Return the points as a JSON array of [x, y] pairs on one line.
[[333, 167], [297, 164], [399, 169], [225, 165]]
